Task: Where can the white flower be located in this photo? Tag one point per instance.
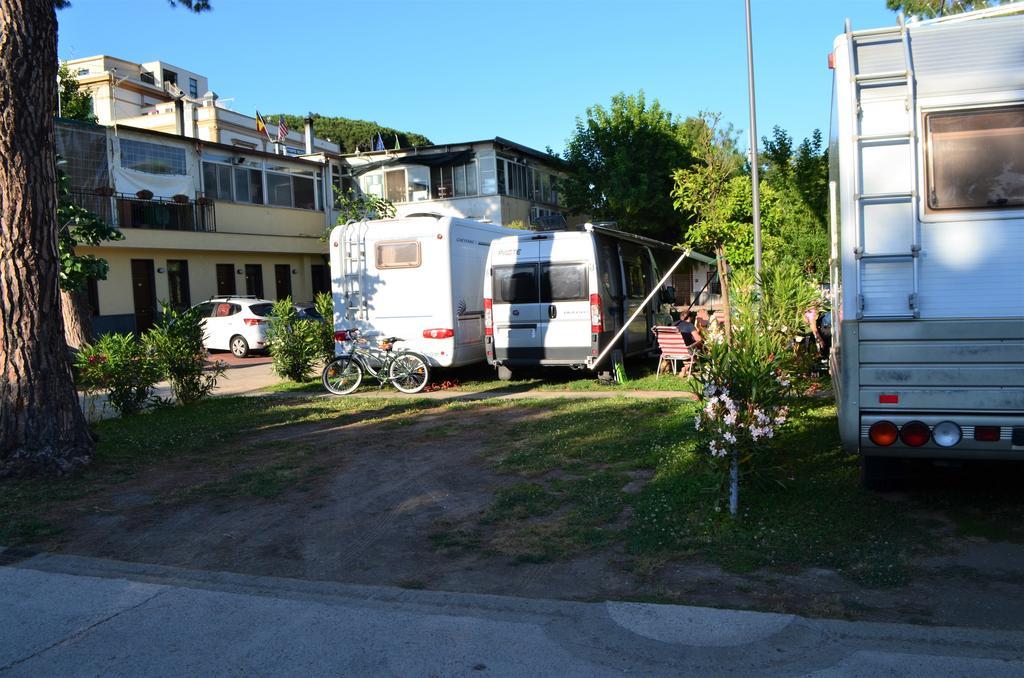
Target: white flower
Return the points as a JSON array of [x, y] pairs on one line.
[[784, 329], [696, 422], [709, 390], [729, 437], [730, 418]]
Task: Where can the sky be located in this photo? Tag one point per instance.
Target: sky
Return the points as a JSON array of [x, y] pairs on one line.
[[462, 70]]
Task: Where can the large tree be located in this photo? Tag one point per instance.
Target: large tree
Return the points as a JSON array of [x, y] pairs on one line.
[[620, 162], [933, 8], [41, 423]]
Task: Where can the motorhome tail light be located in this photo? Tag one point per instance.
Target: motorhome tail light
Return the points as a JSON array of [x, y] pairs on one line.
[[889, 399], [883, 433], [915, 433], [946, 434], [254, 321], [488, 318], [438, 334], [340, 336], [596, 321], [986, 434]]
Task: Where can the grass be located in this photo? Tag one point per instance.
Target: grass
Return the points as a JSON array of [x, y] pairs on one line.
[[208, 434]]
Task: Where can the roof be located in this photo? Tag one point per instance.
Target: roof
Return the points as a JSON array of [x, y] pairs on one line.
[[447, 148]]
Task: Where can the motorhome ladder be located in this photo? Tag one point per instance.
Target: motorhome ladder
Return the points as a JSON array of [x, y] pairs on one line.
[[353, 260], [885, 213]]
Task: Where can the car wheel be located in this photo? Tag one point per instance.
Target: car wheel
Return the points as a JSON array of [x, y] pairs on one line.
[[239, 346]]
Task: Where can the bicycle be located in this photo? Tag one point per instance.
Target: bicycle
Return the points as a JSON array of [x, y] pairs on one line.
[[408, 371]]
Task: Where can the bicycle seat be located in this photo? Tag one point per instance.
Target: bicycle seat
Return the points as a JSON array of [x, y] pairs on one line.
[[391, 340]]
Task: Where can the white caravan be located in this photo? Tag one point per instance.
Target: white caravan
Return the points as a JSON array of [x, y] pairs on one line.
[[927, 151], [561, 297], [419, 278]]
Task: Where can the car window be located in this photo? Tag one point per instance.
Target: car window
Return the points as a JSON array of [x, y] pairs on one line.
[[262, 310], [223, 310], [309, 313], [204, 310]]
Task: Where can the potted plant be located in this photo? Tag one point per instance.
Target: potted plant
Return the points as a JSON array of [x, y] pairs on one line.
[[180, 198], [203, 200], [144, 194]]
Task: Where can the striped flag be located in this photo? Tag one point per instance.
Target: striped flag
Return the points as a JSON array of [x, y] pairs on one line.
[[261, 125], [282, 129]]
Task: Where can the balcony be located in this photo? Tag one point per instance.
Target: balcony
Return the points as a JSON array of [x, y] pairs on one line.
[[165, 214]]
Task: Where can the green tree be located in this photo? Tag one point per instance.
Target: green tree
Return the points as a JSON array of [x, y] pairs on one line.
[[74, 103], [42, 427], [78, 227], [935, 8], [620, 162], [350, 133]]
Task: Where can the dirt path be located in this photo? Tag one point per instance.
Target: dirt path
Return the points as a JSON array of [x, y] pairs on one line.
[[365, 501]]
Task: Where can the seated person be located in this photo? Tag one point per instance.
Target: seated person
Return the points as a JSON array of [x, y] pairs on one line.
[[688, 326]]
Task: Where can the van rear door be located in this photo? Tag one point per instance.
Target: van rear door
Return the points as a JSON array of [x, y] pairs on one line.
[[516, 311], [565, 311]]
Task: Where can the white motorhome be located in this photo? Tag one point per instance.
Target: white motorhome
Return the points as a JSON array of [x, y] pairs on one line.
[[927, 153], [419, 278], [561, 297]]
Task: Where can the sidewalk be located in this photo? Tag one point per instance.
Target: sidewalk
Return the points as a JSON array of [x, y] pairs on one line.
[[67, 615]]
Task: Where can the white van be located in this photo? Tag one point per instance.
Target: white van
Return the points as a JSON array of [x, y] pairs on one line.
[[559, 298], [419, 278]]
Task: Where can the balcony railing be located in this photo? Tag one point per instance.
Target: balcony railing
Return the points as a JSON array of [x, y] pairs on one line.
[[97, 204], [165, 214]]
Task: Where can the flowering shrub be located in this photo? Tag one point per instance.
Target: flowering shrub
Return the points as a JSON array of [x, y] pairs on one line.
[[122, 366], [176, 343], [295, 344], [742, 383]]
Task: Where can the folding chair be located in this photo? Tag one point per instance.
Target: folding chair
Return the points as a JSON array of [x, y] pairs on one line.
[[673, 350]]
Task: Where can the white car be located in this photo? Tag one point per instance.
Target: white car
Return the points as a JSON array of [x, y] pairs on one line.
[[235, 323]]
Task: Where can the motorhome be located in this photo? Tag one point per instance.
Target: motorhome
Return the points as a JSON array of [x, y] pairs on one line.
[[419, 278], [559, 298], [927, 186]]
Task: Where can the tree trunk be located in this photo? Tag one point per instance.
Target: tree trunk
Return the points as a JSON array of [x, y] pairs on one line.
[[74, 307], [42, 427]]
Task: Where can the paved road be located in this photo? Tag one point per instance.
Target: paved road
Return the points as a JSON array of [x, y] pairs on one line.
[[71, 616]]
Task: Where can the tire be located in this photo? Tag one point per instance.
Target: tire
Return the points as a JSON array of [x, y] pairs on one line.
[[504, 373], [409, 372], [341, 376], [239, 346]]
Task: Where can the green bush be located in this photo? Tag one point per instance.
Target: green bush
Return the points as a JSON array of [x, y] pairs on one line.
[[324, 303], [176, 342], [121, 365], [295, 345]]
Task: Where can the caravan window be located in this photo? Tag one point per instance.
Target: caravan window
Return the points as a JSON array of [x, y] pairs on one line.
[[515, 284], [564, 282], [398, 254], [976, 158]]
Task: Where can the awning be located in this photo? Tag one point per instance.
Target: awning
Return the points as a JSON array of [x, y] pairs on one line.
[[427, 159]]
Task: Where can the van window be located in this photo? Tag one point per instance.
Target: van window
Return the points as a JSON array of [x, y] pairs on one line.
[[635, 279], [515, 284], [398, 254], [976, 158], [564, 282]]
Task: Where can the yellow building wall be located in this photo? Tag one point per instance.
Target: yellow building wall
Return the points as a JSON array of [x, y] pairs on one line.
[[260, 220], [116, 292]]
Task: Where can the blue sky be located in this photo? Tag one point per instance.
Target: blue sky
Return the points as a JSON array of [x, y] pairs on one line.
[[460, 70]]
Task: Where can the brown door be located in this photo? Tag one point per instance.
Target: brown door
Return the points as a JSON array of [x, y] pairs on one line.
[[283, 280], [144, 293], [226, 279]]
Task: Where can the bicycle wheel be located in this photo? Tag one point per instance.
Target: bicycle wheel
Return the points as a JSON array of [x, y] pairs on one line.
[[409, 372], [341, 376]]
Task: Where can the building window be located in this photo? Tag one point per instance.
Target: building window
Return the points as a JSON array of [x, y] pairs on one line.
[[217, 181], [193, 88], [304, 193], [248, 185], [288, 190], [170, 77], [177, 284], [398, 254], [254, 280], [453, 181], [372, 184], [147, 77], [394, 182], [143, 156], [976, 158], [226, 280], [488, 176], [500, 175]]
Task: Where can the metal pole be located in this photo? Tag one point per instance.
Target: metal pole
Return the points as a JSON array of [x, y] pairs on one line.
[[755, 185]]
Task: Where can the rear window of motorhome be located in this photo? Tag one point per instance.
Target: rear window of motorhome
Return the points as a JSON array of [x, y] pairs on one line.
[[975, 158], [515, 284], [564, 282], [398, 254]]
